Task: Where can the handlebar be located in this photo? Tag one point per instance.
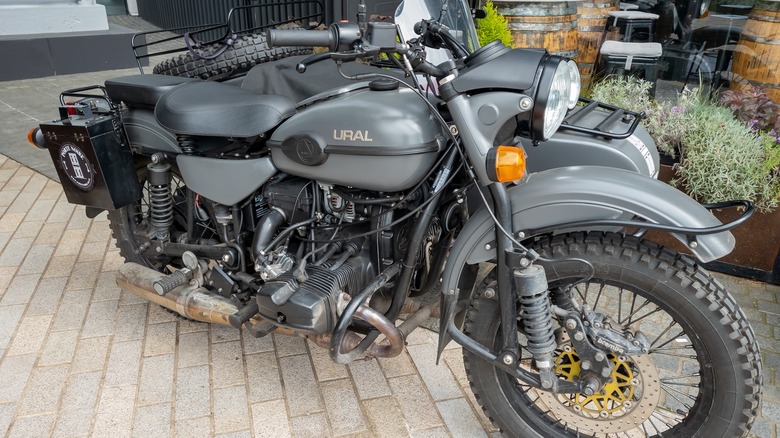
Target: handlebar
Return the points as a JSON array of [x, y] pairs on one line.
[[301, 37]]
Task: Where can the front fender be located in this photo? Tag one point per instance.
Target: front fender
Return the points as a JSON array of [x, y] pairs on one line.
[[569, 194]]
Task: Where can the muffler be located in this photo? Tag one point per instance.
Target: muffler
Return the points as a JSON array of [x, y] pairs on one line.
[[189, 301]]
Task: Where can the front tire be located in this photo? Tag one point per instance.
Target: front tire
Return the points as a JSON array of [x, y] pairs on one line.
[[709, 378]]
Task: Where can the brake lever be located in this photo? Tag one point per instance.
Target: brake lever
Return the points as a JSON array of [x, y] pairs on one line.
[[313, 59]]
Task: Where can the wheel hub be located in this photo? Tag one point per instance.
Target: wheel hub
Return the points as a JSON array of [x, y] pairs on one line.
[[627, 399]]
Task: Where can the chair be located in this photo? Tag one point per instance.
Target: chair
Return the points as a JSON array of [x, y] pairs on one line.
[[631, 22], [616, 57]]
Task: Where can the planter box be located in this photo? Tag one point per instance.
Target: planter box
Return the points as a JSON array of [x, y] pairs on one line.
[[757, 252]]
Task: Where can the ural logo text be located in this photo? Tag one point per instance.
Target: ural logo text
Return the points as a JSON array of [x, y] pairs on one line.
[[76, 166], [349, 135]]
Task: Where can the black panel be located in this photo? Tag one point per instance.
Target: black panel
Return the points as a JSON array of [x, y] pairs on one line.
[[514, 70]]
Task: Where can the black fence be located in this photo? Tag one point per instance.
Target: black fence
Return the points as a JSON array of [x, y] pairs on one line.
[[173, 14]]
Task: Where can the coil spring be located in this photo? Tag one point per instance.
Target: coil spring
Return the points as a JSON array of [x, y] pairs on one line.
[[537, 320], [160, 197], [186, 143]]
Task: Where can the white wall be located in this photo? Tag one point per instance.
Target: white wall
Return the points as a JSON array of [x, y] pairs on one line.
[[20, 17]]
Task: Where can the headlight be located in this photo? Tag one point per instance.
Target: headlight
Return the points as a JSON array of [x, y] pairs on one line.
[[557, 91]]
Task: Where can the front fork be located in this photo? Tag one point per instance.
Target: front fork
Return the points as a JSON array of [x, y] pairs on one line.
[[519, 280]]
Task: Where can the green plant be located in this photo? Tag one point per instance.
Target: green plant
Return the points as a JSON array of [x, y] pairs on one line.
[[719, 157], [493, 27]]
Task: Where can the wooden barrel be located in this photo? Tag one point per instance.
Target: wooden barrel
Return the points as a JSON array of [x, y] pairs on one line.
[[542, 24], [757, 57], [591, 20]]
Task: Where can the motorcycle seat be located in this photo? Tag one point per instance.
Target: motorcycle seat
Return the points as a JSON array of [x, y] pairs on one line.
[[213, 109], [142, 89]]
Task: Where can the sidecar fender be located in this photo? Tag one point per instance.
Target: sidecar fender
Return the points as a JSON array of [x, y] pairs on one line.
[[579, 193]]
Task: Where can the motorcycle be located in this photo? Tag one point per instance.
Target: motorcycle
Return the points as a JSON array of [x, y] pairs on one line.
[[325, 219]]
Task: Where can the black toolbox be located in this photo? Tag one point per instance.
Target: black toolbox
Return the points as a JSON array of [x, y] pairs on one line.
[[90, 152]]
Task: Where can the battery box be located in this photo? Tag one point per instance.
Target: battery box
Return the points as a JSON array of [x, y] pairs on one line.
[[92, 157]]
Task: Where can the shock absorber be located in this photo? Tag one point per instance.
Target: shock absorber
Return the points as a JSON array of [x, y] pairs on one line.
[[531, 286], [160, 197]]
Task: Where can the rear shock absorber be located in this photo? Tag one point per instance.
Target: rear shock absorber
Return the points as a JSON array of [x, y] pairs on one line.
[[160, 197], [531, 286]]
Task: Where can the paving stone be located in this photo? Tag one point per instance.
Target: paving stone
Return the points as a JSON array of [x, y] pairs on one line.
[[263, 382], [190, 326], [40, 210], [112, 260], [22, 203], [15, 251], [152, 421], [70, 243], [78, 405], [300, 386], [368, 379], [158, 314], [193, 395], [123, 363], [324, 365], [47, 296], [106, 288], [29, 427], [114, 415], [342, 407], [256, 345], [28, 229], [228, 364], [61, 212], [79, 219], [385, 417], [270, 419], [10, 315], [240, 434], [231, 412], [4, 238], [416, 405], [99, 232], [20, 290], [127, 298], [156, 380], [37, 259], [6, 416], [7, 198], [311, 426], [438, 378], [289, 345], [193, 428], [100, 319], [437, 432], [454, 361], [84, 275], [92, 251], [60, 266], [459, 418], [72, 310], [59, 348], [14, 373], [10, 221], [160, 339], [221, 333], [193, 349], [30, 335], [130, 322], [43, 390], [90, 355]]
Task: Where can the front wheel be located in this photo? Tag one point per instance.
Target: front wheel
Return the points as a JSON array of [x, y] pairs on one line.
[[702, 376]]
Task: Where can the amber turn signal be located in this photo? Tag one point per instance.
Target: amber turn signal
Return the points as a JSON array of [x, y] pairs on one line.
[[35, 137], [506, 163]]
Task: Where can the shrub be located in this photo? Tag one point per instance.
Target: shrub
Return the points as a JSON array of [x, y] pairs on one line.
[[493, 27]]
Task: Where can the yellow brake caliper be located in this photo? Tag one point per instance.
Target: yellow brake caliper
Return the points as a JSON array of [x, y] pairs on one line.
[[616, 394]]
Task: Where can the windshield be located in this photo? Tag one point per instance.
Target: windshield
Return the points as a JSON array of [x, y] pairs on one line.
[[454, 14]]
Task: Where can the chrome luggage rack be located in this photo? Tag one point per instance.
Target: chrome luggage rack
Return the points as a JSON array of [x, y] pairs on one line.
[[210, 40], [603, 128]]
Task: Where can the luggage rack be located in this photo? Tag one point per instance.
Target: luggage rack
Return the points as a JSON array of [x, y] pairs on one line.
[[241, 20], [602, 128]]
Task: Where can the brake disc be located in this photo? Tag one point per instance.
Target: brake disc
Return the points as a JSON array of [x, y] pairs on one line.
[[624, 403]]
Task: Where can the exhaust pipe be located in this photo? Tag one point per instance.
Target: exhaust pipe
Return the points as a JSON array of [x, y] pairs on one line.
[[189, 301]]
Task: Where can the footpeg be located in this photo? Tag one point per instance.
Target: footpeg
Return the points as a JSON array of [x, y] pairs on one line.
[[172, 281], [245, 314]]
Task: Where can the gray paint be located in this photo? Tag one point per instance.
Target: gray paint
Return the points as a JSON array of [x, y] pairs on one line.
[[396, 120], [225, 181], [582, 193]]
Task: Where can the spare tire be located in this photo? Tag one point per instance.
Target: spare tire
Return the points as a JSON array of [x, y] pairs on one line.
[[244, 53]]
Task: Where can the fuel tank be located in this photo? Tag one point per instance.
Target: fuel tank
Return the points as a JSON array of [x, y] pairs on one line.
[[378, 137]]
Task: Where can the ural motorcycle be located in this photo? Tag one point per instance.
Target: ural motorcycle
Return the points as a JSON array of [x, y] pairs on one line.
[[328, 218]]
